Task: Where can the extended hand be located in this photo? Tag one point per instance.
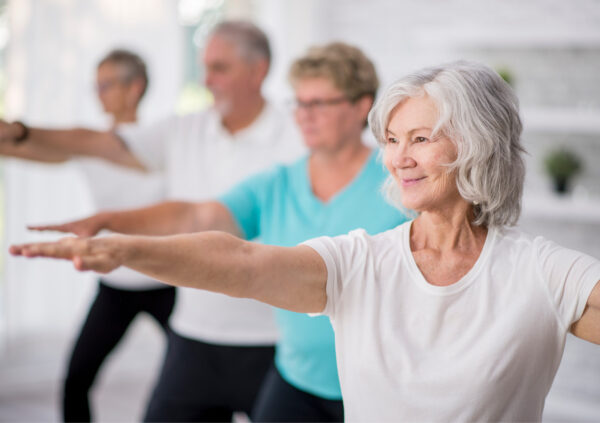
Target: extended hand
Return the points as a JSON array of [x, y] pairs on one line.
[[98, 254], [84, 228]]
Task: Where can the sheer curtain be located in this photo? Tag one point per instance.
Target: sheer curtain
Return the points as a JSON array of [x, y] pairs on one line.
[[53, 50]]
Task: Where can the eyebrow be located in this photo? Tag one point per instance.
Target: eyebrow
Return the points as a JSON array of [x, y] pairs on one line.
[[388, 130]]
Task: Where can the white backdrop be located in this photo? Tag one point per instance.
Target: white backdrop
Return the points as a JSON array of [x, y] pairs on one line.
[[55, 45], [53, 51]]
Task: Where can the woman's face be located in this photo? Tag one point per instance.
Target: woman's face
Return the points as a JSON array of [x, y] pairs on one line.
[[417, 160], [325, 116], [112, 89]]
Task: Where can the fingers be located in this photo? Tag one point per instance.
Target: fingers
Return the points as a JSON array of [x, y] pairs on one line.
[[64, 249], [78, 228], [40, 228], [86, 254]]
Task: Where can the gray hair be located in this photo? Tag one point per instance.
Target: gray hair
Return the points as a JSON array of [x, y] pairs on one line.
[[133, 66], [250, 39], [479, 112]]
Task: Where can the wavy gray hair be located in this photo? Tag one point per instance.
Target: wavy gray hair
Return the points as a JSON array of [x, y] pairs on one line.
[[479, 112]]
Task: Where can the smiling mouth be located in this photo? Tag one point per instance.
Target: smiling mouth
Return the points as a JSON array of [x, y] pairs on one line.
[[406, 182]]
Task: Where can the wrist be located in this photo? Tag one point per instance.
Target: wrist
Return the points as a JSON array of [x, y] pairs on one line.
[[102, 221], [21, 132]]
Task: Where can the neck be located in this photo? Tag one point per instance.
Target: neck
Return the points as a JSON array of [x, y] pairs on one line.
[[449, 229], [330, 172], [126, 116], [342, 157], [243, 115]]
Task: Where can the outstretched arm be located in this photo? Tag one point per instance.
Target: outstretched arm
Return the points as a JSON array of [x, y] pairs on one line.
[[292, 278], [68, 142], [588, 327], [32, 152], [167, 218]]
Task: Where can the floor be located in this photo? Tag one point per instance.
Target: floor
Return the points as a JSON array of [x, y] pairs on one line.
[[30, 372]]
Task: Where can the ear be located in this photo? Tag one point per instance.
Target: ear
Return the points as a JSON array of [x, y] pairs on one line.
[[260, 68], [363, 106], [135, 91]]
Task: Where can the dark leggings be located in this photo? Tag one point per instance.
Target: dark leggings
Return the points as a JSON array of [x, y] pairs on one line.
[[278, 401], [107, 321], [207, 382]]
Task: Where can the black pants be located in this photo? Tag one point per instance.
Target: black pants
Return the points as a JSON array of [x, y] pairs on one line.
[[108, 318], [207, 382], [278, 401]]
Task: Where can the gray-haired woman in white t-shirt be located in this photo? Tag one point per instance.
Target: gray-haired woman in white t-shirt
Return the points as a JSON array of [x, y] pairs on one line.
[[452, 316]]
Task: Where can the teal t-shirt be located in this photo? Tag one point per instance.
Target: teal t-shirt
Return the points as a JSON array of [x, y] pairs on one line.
[[278, 207]]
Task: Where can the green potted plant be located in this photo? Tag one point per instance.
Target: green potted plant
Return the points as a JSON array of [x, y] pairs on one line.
[[562, 164], [506, 74]]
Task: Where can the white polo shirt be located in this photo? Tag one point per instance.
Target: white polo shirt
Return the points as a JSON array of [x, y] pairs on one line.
[[114, 187], [485, 348], [201, 160]]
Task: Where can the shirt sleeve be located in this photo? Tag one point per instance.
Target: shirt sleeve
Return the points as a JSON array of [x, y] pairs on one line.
[[570, 276], [148, 142], [246, 201], [345, 258]]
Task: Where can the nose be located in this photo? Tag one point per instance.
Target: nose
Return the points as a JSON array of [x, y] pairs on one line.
[[303, 113], [399, 155]]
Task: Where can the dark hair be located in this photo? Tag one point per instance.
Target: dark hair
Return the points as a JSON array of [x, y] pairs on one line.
[[133, 66]]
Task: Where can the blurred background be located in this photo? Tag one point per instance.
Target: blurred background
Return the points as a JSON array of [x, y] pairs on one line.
[[548, 50]]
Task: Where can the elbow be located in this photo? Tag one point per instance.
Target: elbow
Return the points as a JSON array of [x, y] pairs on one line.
[[246, 279]]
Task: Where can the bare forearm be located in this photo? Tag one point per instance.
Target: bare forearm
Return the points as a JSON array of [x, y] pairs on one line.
[[213, 261], [65, 142], [166, 218], [32, 152], [293, 278], [85, 142], [77, 141], [170, 218]]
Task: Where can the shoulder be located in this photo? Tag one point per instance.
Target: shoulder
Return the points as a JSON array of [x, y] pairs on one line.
[[201, 118], [359, 244], [522, 243]]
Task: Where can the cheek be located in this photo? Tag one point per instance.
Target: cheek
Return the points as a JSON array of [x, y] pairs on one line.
[[297, 118], [387, 159]]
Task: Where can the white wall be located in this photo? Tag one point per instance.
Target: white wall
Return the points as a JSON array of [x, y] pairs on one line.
[[53, 51], [552, 46]]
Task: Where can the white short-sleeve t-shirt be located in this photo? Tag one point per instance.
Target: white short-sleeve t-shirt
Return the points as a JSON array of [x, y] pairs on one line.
[[201, 161], [485, 348]]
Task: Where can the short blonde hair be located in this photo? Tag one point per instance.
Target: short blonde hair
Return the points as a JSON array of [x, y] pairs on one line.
[[344, 65]]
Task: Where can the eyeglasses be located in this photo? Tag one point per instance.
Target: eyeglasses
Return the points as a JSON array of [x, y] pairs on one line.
[[317, 104], [108, 84]]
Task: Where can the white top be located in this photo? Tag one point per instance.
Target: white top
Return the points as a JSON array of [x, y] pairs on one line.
[[202, 160], [485, 348], [114, 187]]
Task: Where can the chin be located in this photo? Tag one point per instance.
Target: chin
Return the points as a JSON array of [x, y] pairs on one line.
[[311, 143], [222, 107]]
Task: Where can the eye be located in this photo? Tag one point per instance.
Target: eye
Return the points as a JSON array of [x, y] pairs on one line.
[[392, 140], [420, 139]]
